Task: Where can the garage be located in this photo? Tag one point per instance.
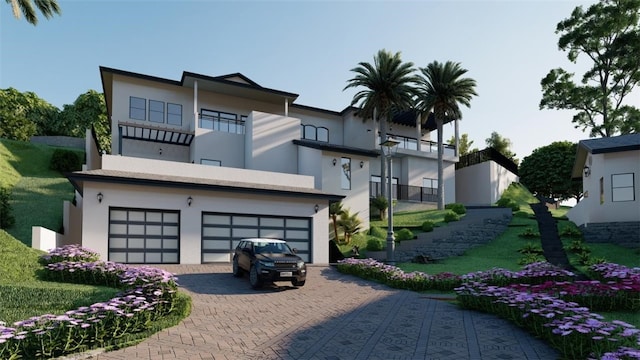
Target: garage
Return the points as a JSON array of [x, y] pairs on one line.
[[221, 232], [144, 236]]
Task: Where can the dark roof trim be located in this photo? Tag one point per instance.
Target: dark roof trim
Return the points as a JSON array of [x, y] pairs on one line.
[[139, 76], [311, 108], [226, 81], [77, 177], [616, 149], [337, 148]]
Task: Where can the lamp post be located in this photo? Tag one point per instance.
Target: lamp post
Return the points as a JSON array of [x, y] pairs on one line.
[[388, 148]]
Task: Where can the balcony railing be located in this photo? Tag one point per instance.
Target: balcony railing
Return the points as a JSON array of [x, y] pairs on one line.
[[487, 155], [405, 192], [425, 145]]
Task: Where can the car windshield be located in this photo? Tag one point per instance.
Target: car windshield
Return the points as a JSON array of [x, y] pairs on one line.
[[271, 248]]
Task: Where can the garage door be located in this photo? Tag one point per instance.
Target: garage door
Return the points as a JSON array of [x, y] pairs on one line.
[[221, 233], [144, 236]]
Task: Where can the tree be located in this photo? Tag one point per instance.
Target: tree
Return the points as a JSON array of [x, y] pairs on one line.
[[25, 7], [387, 85], [608, 34], [335, 211], [15, 126], [502, 145], [464, 146], [442, 90], [88, 110], [381, 204], [23, 108], [547, 171], [351, 224]]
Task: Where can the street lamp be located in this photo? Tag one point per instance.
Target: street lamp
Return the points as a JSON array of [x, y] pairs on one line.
[[389, 147]]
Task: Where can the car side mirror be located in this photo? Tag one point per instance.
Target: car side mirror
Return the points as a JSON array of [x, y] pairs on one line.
[[294, 250]]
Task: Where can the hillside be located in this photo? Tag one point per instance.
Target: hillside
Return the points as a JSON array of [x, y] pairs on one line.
[[37, 192]]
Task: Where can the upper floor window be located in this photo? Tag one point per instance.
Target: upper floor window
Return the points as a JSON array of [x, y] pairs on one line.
[[622, 187], [137, 108], [156, 111], [346, 173], [222, 121], [174, 114], [311, 132]]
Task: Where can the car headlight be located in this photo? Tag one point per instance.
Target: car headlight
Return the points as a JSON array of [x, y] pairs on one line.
[[300, 264], [267, 263]]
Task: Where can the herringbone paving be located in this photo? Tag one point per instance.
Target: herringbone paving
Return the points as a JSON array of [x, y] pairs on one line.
[[333, 317]]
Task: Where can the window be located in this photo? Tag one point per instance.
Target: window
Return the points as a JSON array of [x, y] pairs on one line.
[[622, 187], [221, 121], [310, 132], [174, 114], [210, 162], [346, 173], [137, 108], [156, 111], [429, 186]]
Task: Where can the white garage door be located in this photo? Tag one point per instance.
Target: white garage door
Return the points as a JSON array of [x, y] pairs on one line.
[[221, 233], [144, 236]]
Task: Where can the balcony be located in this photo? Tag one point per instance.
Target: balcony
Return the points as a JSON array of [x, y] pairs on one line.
[[405, 192], [425, 145]]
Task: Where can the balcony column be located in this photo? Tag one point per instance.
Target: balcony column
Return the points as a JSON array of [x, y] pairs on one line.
[[457, 131], [286, 107], [419, 131], [195, 104]]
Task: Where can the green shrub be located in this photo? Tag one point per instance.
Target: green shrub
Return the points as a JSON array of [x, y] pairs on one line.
[[530, 258], [375, 244], [381, 204], [457, 208], [521, 214], [65, 161], [427, 226], [451, 216], [570, 231], [578, 247], [7, 219], [508, 203], [529, 233], [404, 234], [531, 248], [378, 232]]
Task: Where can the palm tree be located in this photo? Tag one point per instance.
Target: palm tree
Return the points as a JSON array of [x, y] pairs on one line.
[[351, 224], [442, 90], [25, 7], [336, 210], [388, 84]]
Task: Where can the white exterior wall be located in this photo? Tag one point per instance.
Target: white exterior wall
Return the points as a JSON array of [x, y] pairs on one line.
[[226, 147], [95, 226], [359, 134], [590, 209], [269, 142], [308, 161], [333, 123], [482, 184]]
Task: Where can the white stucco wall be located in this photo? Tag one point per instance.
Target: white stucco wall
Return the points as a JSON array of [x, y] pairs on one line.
[[95, 218], [269, 142], [225, 147], [482, 184], [591, 209]]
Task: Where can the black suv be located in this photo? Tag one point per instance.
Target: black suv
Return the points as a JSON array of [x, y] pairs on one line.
[[268, 260]]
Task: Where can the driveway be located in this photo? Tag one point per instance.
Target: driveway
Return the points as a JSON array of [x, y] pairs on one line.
[[333, 317]]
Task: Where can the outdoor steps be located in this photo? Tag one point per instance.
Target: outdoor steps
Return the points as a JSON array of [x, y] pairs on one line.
[[478, 227], [551, 243]]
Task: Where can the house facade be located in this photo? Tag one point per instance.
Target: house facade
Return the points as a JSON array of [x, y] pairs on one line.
[[482, 177], [610, 171], [199, 163]]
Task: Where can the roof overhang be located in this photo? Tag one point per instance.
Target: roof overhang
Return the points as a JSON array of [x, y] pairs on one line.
[[78, 179], [336, 148]]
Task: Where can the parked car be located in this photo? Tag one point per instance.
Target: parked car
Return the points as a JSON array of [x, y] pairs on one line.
[[268, 260]]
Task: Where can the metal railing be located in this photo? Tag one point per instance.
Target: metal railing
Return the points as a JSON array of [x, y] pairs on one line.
[[410, 143], [487, 155], [405, 192]]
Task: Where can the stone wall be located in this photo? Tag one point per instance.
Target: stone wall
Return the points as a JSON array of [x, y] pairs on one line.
[[62, 141], [625, 234]]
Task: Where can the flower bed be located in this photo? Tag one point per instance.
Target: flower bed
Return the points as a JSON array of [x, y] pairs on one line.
[[531, 299], [148, 294]]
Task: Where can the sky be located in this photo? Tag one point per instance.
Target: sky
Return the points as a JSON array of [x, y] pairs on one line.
[[305, 47]]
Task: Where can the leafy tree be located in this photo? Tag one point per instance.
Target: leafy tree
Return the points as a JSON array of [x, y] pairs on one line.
[[464, 144], [608, 34], [387, 85], [25, 7], [28, 107], [547, 171], [442, 90], [502, 145], [15, 126], [88, 110]]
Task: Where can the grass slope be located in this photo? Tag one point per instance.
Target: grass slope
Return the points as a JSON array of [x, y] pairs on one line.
[[37, 192]]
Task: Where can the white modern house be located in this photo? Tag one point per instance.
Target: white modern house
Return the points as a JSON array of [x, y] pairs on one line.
[[199, 163], [482, 176], [610, 172]]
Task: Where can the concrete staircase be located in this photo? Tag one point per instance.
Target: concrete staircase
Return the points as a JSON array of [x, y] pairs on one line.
[[479, 226]]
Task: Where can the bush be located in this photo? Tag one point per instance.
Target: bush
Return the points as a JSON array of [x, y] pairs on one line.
[[530, 258], [65, 161], [6, 212], [531, 248], [571, 231], [508, 203], [451, 216], [375, 244], [381, 204], [457, 208], [378, 232], [427, 226], [529, 233], [404, 234], [521, 214]]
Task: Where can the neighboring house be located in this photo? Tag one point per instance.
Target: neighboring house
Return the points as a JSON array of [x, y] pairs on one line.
[[610, 172], [198, 163], [482, 177]]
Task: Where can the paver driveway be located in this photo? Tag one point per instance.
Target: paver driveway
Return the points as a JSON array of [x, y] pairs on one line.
[[334, 316]]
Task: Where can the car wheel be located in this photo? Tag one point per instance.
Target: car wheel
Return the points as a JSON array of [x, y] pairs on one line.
[[237, 271], [297, 283], [254, 279]]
